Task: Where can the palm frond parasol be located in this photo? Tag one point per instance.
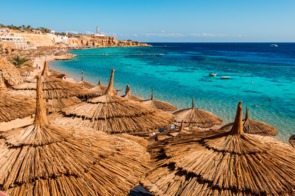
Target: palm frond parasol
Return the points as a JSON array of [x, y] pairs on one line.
[[43, 159], [228, 163], [14, 106], [128, 95], [99, 88], [58, 93], [255, 127], [9, 75], [113, 114], [85, 84], [159, 104], [196, 118]]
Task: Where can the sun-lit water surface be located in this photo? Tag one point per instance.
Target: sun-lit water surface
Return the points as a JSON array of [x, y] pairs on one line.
[[263, 77]]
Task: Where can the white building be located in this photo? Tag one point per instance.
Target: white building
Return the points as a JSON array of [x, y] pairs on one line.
[[16, 42]]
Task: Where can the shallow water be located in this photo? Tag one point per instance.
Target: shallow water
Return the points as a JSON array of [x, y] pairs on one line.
[[263, 77]]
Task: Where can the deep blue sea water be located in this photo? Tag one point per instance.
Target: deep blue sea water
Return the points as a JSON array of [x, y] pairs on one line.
[[263, 77]]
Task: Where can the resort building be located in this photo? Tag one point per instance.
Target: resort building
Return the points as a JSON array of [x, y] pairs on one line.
[[15, 42]]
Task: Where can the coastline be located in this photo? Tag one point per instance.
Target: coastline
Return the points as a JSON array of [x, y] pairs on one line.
[[134, 68], [66, 55]]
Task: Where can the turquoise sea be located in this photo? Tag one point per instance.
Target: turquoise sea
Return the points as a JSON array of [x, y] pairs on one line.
[[262, 76]]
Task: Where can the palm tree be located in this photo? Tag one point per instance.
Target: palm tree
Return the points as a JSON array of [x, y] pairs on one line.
[[19, 61]]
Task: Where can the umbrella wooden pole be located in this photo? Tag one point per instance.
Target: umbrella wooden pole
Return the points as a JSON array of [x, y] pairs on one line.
[[127, 90], [45, 71], [193, 102], [153, 96], [40, 117], [110, 89], [238, 124], [247, 114]]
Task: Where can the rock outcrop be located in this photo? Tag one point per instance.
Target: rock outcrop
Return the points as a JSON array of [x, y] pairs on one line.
[[33, 40]]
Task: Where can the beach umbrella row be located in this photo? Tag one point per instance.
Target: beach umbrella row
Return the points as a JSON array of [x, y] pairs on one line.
[[113, 114], [57, 93], [228, 162], [46, 159]]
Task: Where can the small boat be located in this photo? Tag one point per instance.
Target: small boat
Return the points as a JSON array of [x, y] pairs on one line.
[[224, 77], [212, 74], [274, 45]]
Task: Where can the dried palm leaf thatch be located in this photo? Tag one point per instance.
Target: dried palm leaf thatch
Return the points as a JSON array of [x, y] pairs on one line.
[[143, 142], [195, 117], [2, 84], [14, 106], [58, 93], [56, 105], [168, 107], [292, 140], [56, 74], [56, 88], [128, 95], [255, 127], [85, 84], [113, 114], [229, 163], [9, 75], [100, 87], [43, 159]]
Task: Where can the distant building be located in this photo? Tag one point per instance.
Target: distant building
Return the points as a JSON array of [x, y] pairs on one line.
[[15, 42]]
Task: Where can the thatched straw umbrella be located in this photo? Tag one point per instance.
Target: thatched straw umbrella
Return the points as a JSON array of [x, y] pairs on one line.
[[254, 127], [14, 106], [159, 104], [85, 84], [43, 159], [58, 93], [56, 74], [50, 72], [292, 140], [128, 95], [195, 117], [113, 114], [9, 75], [99, 88], [231, 163]]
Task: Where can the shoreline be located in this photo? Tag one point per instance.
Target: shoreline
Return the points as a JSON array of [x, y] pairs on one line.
[[283, 135]]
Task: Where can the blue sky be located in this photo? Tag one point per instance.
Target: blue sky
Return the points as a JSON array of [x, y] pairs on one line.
[[161, 20]]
